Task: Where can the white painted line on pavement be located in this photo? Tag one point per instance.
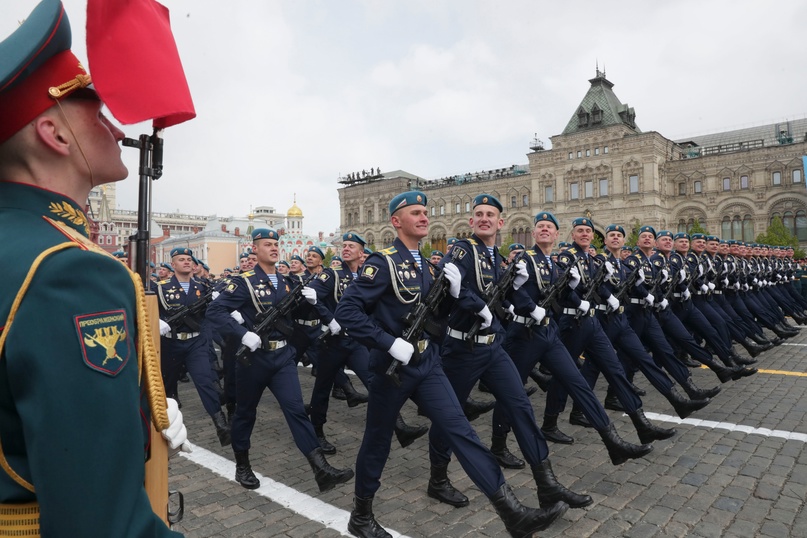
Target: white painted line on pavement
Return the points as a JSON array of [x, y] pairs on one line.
[[698, 423], [786, 344], [299, 503]]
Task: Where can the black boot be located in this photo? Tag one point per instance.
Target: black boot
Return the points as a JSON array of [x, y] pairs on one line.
[[541, 379], [696, 393], [338, 393], [474, 409], [504, 457], [353, 396], [362, 522], [327, 448], [578, 418], [222, 428], [243, 471], [620, 450], [682, 406], [739, 371], [611, 401], [440, 488], [648, 432], [530, 390], [519, 520], [742, 361], [752, 348], [550, 491], [762, 341], [552, 432], [326, 475], [407, 434]]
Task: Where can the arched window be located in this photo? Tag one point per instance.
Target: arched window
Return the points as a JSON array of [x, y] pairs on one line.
[[788, 221], [748, 229], [801, 225], [736, 228], [698, 187], [682, 226], [725, 228]]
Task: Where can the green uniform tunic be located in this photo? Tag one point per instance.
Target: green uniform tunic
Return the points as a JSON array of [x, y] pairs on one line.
[[73, 416]]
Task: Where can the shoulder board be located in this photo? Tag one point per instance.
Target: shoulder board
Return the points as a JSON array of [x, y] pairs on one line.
[[388, 251], [245, 274], [164, 282], [571, 250], [529, 253], [472, 241]]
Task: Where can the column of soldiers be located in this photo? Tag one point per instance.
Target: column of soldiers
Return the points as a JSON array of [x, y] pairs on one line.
[[561, 318]]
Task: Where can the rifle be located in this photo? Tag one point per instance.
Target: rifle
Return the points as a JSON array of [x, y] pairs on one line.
[[419, 319], [186, 314], [628, 283], [494, 293], [275, 316], [594, 285]]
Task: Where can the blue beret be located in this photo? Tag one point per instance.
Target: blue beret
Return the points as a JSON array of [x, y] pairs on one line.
[[723, 242], [298, 258], [582, 221], [151, 264], [318, 251], [564, 244], [681, 235], [367, 251], [283, 262], [516, 246], [167, 267], [119, 254], [732, 242], [354, 237], [712, 238], [664, 233], [648, 229], [546, 215], [487, 199], [437, 253], [206, 267], [243, 256], [337, 258], [181, 251], [451, 241], [264, 233], [697, 236], [626, 247], [196, 260], [405, 199], [615, 228]]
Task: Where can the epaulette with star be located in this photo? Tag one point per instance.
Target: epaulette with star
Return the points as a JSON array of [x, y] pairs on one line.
[[388, 251], [164, 282]]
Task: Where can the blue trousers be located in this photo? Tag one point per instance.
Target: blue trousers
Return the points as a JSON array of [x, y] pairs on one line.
[[195, 355], [341, 351]]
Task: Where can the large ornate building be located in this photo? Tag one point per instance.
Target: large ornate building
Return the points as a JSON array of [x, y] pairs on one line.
[[603, 166]]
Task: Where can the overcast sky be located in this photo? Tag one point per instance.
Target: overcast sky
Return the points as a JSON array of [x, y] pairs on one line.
[[289, 94]]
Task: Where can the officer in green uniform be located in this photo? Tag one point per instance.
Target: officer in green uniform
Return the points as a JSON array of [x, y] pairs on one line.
[[75, 424]]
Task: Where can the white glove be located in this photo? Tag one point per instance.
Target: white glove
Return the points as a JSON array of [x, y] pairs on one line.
[[700, 269], [310, 294], [215, 295], [521, 275], [663, 304], [609, 267], [584, 307], [401, 351], [251, 340], [682, 275], [613, 303], [778, 277], [704, 288], [454, 277], [736, 286], [176, 433], [511, 309], [575, 278], [164, 328], [487, 317], [711, 286], [538, 314], [236, 315], [665, 274], [649, 300], [334, 327], [725, 282], [640, 279], [755, 281], [686, 295], [745, 287]]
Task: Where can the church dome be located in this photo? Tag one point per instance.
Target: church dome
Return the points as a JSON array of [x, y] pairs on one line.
[[294, 210]]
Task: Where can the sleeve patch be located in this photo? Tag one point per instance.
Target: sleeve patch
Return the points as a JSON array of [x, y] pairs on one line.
[[368, 272], [458, 252], [104, 341], [324, 277], [231, 287]]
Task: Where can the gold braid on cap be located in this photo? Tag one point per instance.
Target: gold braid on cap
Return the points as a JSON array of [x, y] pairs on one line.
[[81, 81]]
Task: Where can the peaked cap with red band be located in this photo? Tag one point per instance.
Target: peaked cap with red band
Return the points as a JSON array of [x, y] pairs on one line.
[[37, 67]]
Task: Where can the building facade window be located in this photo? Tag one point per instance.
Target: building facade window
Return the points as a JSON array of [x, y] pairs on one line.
[[467, 207], [605, 149], [603, 187], [571, 155], [633, 184], [797, 175], [596, 151], [588, 153], [442, 210], [525, 200], [549, 194], [726, 183], [433, 211], [579, 153], [589, 189], [682, 189], [776, 178], [698, 187], [574, 191], [513, 201], [743, 182]]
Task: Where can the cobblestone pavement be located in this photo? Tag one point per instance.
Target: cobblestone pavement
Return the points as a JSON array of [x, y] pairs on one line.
[[736, 468]]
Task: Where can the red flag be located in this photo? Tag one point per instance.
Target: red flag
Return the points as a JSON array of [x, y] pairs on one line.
[[134, 62]]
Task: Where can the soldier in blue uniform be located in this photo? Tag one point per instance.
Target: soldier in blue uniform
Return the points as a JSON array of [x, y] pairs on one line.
[[271, 363], [79, 380], [187, 343], [372, 310], [475, 264], [532, 336], [435, 257]]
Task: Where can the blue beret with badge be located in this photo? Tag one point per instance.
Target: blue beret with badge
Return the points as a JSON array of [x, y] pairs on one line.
[[582, 221], [181, 251], [681, 235], [298, 258], [166, 266], [265, 233], [488, 199], [436, 253], [697, 236], [367, 251], [546, 215], [284, 262], [564, 244], [664, 233], [648, 229], [615, 228], [318, 251], [712, 238], [337, 258], [626, 247], [119, 254], [354, 237], [516, 246], [451, 241], [244, 256], [406, 199]]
